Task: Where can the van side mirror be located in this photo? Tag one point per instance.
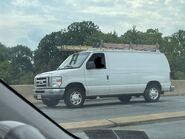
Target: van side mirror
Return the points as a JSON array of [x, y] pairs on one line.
[[90, 65]]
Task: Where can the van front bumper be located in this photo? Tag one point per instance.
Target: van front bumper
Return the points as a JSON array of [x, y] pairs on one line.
[[50, 93]]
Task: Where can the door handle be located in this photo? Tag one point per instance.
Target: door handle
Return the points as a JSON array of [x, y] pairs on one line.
[[107, 77]]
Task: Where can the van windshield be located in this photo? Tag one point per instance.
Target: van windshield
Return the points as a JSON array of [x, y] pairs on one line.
[[74, 61]]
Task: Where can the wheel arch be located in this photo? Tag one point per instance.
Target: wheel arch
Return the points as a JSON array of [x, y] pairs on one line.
[[154, 82], [75, 84]]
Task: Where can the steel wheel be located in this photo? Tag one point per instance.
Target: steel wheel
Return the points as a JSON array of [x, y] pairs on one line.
[[152, 93], [76, 98]]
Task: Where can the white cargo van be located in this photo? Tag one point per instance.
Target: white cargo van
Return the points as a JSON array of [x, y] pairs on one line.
[[105, 73]]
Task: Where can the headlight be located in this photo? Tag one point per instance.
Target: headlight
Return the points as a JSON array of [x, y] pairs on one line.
[[56, 82]]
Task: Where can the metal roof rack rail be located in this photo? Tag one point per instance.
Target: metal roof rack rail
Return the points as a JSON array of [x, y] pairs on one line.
[[137, 47], [111, 46]]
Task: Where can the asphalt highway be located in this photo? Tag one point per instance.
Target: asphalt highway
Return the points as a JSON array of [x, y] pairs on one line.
[[170, 129], [110, 108], [167, 129]]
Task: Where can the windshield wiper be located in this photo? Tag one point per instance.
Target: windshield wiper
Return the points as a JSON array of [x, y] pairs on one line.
[[67, 67]]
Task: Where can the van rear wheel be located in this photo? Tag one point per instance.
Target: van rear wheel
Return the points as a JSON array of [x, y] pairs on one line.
[[152, 93], [50, 102], [124, 99], [74, 97]]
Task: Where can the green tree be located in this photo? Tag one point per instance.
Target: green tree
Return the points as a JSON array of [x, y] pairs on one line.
[[179, 75], [94, 39], [6, 70], [21, 58], [131, 36], [174, 48], [151, 36], [78, 32], [3, 52], [15, 63], [47, 51], [111, 37]]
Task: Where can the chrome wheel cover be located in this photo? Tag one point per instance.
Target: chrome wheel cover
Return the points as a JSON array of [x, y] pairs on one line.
[[76, 98], [153, 93]]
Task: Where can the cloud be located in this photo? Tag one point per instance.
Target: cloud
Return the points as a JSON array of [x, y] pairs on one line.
[[27, 22], [25, 3]]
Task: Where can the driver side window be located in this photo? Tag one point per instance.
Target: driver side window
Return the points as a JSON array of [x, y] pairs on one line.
[[98, 59]]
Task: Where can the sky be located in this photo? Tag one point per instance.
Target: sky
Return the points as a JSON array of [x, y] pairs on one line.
[[26, 22]]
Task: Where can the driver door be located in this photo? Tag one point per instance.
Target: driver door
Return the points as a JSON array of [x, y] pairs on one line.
[[97, 75]]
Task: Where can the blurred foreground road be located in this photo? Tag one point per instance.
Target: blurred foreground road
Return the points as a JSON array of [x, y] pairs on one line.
[[167, 129], [173, 129]]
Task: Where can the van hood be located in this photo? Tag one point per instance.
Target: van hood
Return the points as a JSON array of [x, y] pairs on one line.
[[46, 74], [54, 73]]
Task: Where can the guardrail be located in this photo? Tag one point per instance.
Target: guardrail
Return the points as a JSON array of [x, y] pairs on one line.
[[27, 90], [179, 88]]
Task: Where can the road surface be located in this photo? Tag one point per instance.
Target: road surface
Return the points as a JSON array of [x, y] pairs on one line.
[[167, 129], [161, 130], [110, 108]]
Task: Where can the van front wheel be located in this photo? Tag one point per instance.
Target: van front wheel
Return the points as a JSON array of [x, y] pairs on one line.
[[74, 97], [152, 93]]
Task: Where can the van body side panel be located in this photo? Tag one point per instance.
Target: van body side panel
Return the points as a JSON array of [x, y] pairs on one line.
[[130, 72]]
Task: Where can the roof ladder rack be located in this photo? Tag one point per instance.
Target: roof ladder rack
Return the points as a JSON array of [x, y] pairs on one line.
[[137, 47]]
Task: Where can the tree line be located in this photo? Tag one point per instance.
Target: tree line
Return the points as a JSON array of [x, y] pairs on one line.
[[19, 65]]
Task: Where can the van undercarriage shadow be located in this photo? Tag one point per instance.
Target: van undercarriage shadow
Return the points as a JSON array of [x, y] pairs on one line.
[[99, 103]]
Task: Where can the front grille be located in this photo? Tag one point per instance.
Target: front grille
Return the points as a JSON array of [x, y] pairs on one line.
[[41, 82], [39, 91]]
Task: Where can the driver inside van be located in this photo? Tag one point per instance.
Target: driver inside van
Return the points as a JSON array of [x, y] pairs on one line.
[[98, 63]]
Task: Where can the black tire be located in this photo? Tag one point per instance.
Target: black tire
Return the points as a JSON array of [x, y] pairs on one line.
[[125, 99], [152, 93], [50, 102], [70, 99]]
